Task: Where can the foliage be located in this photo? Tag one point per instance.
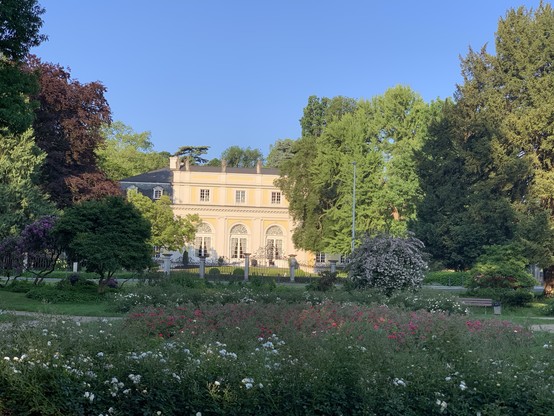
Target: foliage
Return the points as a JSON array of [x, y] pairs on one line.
[[506, 296], [325, 282], [487, 174], [214, 271], [67, 128], [446, 278], [279, 153], [126, 153], [380, 136], [20, 23], [297, 181], [21, 200], [501, 267], [167, 230], [238, 271], [106, 235], [39, 243], [65, 293], [388, 263], [289, 359], [193, 153], [11, 258], [430, 302], [237, 157]]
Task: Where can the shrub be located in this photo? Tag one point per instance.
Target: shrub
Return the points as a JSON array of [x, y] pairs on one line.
[[501, 266], [19, 286], [431, 302], [53, 294], [238, 271], [506, 296], [214, 271], [446, 278], [325, 282], [388, 263]]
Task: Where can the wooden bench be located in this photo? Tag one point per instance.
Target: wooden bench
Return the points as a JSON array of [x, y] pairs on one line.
[[478, 302]]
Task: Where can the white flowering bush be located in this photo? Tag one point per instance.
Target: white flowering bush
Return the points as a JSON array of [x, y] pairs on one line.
[[388, 263]]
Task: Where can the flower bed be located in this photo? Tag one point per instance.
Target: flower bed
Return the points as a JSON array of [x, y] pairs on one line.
[[268, 359]]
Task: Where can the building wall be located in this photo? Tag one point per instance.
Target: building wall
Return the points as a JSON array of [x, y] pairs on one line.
[[262, 214]]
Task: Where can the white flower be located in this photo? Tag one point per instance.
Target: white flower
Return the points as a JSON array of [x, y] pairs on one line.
[[248, 385], [399, 382], [463, 385], [100, 354]]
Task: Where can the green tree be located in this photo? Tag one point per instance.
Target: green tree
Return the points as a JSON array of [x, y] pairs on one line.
[[279, 152], [20, 23], [238, 157], [167, 230], [106, 235], [126, 153], [380, 136], [499, 139], [21, 200], [297, 179], [193, 153]]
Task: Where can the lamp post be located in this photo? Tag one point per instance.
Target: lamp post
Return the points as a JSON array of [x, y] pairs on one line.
[[353, 207]]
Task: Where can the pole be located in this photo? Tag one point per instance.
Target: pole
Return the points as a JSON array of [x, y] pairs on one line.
[[353, 207]]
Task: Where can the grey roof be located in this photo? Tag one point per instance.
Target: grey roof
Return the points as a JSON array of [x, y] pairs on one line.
[[266, 171], [163, 175]]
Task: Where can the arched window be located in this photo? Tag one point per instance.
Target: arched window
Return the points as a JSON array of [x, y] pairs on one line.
[[239, 239], [203, 240], [274, 243]]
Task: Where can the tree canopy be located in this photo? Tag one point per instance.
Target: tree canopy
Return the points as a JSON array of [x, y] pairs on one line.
[[21, 200], [105, 235], [381, 136], [279, 153], [125, 153], [238, 157], [167, 230], [193, 153], [67, 128], [487, 170]]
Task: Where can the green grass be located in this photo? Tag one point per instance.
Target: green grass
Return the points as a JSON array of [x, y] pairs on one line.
[[18, 302]]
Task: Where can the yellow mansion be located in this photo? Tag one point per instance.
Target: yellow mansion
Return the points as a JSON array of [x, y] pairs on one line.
[[242, 211]]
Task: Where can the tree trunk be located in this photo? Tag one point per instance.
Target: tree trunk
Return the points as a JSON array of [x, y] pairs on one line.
[[549, 281]]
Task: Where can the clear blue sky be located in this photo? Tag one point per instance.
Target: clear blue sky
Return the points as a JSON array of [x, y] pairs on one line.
[[223, 73]]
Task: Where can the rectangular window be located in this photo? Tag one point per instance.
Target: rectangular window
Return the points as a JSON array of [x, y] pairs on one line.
[[238, 248], [204, 195], [203, 246], [276, 198], [158, 192], [240, 197], [320, 257]]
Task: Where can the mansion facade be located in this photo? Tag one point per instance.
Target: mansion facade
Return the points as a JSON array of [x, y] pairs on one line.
[[241, 209]]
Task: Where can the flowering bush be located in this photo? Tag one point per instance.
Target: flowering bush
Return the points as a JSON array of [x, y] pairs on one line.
[[388, 263]]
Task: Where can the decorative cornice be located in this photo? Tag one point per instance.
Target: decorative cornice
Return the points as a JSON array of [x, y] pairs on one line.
[[231, 209]]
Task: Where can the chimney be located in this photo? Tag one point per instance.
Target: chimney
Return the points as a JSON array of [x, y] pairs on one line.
[[174, 163], [259, 166]]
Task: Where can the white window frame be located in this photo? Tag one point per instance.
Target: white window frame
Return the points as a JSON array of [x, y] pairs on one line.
[[276, 198], [157, 192], [205, 195], [240, 196], [320, 257]]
